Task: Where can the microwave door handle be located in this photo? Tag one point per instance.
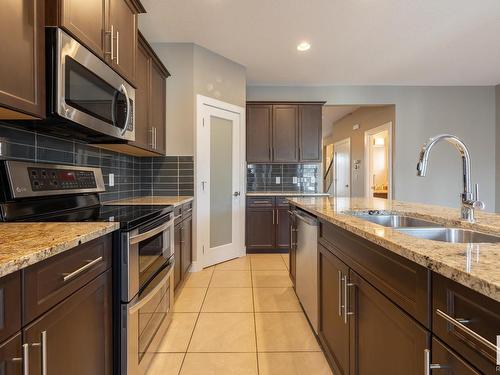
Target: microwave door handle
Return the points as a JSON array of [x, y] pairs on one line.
[[144, 300], [150, 233], [123, 89]]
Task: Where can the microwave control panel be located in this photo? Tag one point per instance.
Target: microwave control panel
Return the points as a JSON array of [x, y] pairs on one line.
[[47, 179]]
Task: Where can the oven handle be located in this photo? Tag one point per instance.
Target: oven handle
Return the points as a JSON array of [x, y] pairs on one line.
[[150, 233], [144, 300]]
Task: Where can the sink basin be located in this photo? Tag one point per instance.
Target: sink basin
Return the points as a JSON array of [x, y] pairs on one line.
[[451, 235], [397, 221]]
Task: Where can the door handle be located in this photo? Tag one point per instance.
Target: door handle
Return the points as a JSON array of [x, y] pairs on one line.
[[117, 47], [428, 366], [277, 217], [111, 39], [236, 193], [273, 216], [340, 292]]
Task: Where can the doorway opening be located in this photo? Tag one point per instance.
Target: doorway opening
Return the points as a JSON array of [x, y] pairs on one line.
[[378, 161]]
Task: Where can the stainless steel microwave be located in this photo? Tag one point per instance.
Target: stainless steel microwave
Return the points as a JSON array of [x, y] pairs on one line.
[[86, 98]]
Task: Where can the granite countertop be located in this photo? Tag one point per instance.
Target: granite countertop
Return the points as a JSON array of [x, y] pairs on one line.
[[476, 266], [150, 200], [23, 244], [285, 194]]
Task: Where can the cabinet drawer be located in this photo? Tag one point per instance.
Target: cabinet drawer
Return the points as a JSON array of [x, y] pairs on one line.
[[49, 282], [455, 365], [282, 202], [10, 305], [8, 351], [467, 321], [260, 201], [402, 281]]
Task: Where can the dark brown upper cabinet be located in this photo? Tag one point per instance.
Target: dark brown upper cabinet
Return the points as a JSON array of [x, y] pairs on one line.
[[259, 122], [150, 105], [106, 27], [310, 132], [22, 70], [279, 132], [285, 133]]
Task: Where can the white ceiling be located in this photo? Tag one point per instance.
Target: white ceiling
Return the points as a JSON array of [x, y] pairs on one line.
[[333, 113], [354, 42]]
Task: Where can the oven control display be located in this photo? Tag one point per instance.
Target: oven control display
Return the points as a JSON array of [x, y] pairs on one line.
[[44, 179]]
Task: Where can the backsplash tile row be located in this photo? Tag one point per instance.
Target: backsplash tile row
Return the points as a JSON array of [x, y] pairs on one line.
[[301, 178], [134, 176]]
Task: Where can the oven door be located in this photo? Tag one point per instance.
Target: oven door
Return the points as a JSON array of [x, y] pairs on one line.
[[145, 321], [146, 250], [90, 93]]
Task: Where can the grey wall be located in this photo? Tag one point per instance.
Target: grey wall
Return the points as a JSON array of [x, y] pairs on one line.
[[421, 112], [195, 70], [497, 174]]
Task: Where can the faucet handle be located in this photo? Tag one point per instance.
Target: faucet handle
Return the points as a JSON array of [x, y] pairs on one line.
[[476, 202]]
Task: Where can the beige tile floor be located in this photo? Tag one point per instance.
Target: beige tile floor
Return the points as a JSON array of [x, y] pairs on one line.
[[240, 317]]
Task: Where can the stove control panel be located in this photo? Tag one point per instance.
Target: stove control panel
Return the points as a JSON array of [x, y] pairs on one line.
[[43, 179], [36, 179]]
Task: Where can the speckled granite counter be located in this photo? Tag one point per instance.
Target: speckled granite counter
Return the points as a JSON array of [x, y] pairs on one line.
[[285, 194], [476, 266], [23, 244], [160, 200]]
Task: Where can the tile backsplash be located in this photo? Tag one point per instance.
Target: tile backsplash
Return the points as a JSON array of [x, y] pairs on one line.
[[134, 176], [302, 178]]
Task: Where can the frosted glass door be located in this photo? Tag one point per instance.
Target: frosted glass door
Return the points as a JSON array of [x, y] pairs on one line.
[[221, 181]]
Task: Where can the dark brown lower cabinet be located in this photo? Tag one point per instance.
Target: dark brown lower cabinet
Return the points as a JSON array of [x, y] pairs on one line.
[[449, 362], [187, 258], [333, 329], [282, 229], [260, 228], [11, 356], [383, 338], [177, 255], [292, 250], [183, 244], [75, 337]]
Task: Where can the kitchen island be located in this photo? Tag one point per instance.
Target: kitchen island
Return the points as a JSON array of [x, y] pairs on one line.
[[393, 303]]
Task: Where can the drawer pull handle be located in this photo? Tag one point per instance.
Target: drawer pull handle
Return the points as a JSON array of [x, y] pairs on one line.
[[459, 325], [428, 366], [26, 360], [341, 278], [261, 202], [69, 276], [177, 217]]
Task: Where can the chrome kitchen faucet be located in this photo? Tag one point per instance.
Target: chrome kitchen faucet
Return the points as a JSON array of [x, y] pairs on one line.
[[470, 200]]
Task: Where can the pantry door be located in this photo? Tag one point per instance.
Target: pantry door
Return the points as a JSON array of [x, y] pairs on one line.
[[219, 182]]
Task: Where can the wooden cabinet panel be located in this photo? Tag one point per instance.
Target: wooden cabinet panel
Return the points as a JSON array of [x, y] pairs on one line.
[[477, 313], [85, 20], [285, 133], [452, 363], [260, 231], [259, 120], [374, 317], [142, 98], [404, 282], [44, 285], [310, 132], [333, 331], [177, 255], [123, 19], [10, 356], [282, 229], [10, 305], [187, 230], [22, 37], [78, 333], [158, 108], [260, 202]]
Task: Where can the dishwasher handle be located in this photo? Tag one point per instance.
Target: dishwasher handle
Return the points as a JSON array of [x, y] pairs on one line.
[[308, 219]]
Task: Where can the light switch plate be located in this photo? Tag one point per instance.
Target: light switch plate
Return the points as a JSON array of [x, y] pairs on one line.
[[295, 180], [111, 179], [278, 180]]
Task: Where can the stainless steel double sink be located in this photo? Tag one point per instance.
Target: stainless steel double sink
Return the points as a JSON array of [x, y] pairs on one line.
[[427, 229]]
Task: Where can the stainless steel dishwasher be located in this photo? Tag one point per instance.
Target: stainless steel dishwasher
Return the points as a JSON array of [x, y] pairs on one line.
[[306, 277]]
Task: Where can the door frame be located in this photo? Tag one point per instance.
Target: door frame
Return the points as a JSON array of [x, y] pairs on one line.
[[368, 134], [201, 103], [334, 166]]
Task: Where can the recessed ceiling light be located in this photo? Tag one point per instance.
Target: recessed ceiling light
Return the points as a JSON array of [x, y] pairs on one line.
[[304, 46]]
